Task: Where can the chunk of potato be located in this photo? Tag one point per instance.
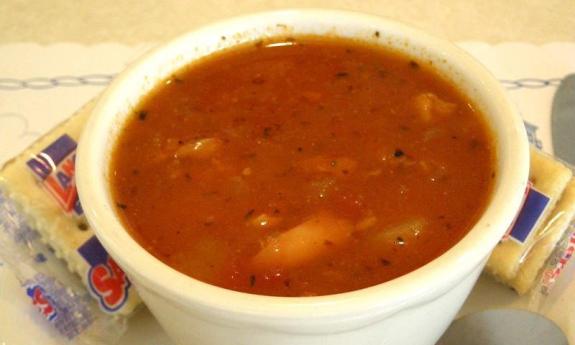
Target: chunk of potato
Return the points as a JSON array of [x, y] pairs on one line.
[[429, 106], [366, 222], [201, 149], [401, 233], [311, 239], [204, 258]]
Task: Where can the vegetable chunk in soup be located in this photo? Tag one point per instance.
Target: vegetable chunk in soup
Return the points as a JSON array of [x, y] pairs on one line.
[[302, 167]]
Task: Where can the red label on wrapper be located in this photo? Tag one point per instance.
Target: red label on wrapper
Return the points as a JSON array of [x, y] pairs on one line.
[[558, 261], [41, 301], [107, 282]]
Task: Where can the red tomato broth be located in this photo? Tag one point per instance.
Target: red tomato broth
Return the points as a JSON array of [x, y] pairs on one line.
[[243, 146]]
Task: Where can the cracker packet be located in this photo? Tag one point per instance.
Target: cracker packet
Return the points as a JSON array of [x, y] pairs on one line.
[[541, 240], [72, 315], [46, 240]]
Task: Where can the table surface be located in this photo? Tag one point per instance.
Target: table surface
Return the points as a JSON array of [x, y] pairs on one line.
[[135, 21]]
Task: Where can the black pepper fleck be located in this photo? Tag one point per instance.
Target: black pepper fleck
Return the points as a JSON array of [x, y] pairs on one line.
[[398, 153], [249, 213], [252, 280], [142, 115]]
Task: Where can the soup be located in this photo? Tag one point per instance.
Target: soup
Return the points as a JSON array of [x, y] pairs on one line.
[[302, 167]]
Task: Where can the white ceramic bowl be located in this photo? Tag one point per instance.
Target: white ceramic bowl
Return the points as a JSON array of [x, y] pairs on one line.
[[413, 309]]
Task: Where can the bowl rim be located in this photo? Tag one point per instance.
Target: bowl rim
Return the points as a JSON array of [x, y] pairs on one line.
[[382, 299]]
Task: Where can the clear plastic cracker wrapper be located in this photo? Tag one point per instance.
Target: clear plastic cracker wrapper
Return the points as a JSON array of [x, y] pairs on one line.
[[45, 239], [541, 240]]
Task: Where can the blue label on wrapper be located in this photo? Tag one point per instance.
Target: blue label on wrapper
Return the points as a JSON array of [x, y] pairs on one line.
[[533, 207], [46, 161], [93, 252]]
